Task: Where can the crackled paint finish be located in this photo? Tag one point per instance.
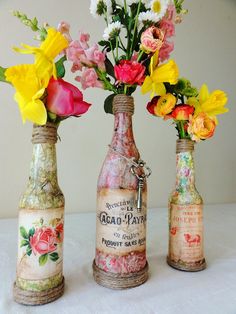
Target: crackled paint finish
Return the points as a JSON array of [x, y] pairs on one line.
[[186, 218], [41, 224], [121, 229]]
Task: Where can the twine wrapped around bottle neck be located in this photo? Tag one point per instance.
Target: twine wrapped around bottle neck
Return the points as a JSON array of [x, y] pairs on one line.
[[123, 103], [44, 133], [184, 145]]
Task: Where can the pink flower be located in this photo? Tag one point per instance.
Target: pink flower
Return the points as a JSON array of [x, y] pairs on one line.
[[167, 27], [64, 28], [130, 72], [83, 40], [152, 39], [64, 99], [89, 78], [166, 50], [43, 241], [95, 56]]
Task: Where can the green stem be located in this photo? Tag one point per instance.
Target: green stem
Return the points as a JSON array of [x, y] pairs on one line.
[[107, 84], [112, 50], [125, 6], [122, 45], [140, 55], [117, 45], [125, 89], [135, 28]]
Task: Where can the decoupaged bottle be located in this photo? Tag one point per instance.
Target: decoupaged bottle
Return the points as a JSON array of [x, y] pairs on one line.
[[120, 260], [185, 214], [41, 226]]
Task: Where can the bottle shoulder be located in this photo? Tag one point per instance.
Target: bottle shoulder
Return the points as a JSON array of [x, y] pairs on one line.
[[181, 196]]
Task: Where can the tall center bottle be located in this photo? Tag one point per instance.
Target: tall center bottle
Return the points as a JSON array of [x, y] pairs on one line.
[[120, 260]]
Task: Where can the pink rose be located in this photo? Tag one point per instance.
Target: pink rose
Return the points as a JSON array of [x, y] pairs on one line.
[[130, 72], [43, 241], [89, 78], [152, 39], [64, 99]]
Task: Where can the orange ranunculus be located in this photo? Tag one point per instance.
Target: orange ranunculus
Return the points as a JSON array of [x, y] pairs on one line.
[[162, 106], [182, 112], [201, 127]]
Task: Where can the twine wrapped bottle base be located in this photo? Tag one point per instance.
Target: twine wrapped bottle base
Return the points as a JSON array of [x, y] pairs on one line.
[[189, 268], [37, 298], [117, 281]]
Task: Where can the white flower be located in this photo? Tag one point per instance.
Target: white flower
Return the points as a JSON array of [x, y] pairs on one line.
[[98, 7], [159, 7], [148, 16], [112, 30]]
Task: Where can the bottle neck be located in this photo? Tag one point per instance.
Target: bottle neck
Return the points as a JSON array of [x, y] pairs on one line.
[[43, 168], [185, 171], [123, 138]]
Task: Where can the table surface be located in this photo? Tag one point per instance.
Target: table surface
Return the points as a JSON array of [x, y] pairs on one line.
[[168, 291]]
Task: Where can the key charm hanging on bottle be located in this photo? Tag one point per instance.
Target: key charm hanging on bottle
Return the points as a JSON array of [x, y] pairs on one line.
[[141, 180]]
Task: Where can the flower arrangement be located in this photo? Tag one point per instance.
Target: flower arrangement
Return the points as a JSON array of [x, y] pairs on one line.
[[135, 32], [193, 112], [41, 93]]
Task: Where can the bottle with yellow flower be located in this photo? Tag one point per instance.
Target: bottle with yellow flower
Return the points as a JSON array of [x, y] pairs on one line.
[[194, 115], [45, 99]]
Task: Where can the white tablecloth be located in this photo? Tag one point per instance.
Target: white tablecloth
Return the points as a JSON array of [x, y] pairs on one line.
[[168, 291]]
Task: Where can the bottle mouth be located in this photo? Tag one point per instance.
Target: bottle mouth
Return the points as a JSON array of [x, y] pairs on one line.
[[123, 104], [184, 145], [44, 133]]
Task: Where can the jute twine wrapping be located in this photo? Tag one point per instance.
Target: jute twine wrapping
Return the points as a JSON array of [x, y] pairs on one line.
[[184, 145], [123, 103], [44, 133], [119, 281], [37, 298]]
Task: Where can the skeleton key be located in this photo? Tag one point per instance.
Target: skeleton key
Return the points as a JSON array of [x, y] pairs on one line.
[[141, 179]]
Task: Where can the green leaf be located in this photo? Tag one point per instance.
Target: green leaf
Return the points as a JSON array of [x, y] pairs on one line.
[[24, 243], [109, 67], [108, 104], [54, 256], [43, 259], [103, 43], [28, 250], [24, 233], [2, 74], [61, 71], [31, 232]]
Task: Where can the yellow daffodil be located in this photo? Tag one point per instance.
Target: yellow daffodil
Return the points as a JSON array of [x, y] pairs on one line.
[[54, 43], [210, 103], [29, 89], [165, 73]]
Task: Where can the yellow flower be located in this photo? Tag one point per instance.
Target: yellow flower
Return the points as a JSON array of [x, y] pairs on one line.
[[212, 104], [54, 43], [164, 105], [29, 89], [165, 73], [201, 127]]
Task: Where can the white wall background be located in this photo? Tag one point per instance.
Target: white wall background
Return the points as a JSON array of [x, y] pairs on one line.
[[205, 51]]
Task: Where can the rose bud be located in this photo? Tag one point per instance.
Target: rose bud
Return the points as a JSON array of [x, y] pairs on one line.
[[152, 39], [182, 112], [65, 99]]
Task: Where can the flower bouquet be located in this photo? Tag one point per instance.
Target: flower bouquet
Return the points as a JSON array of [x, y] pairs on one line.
[[45, 99], [194, 114], [136, 43]]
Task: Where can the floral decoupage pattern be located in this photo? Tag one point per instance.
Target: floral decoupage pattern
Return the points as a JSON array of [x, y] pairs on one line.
[[43, 240]]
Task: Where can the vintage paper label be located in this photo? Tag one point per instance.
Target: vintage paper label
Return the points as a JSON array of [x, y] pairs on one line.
[[121, 228], [40, 244], [186, 233]]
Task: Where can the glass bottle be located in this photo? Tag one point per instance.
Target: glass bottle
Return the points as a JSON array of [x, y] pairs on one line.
[[41, 225], [185, 214], [120, 260]]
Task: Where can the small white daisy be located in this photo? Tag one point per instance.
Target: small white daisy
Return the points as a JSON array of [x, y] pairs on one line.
[[159, 7], [112, 30], [148, 17]]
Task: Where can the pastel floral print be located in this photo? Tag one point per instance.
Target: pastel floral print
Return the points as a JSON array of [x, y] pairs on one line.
[[42, 241]]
